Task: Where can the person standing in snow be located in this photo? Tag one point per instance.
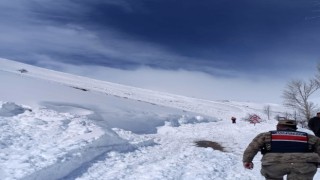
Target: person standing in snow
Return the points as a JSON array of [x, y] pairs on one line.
[[285, 152], [314, 124], [233, 119]]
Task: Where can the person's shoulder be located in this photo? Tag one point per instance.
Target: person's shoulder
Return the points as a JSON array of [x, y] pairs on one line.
[[311, 136], [264, 134], [314, 118], [313, 139]]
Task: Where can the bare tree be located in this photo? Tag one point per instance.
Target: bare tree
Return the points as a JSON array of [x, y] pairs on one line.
[[317, 76], [267, 110], [296, 95]]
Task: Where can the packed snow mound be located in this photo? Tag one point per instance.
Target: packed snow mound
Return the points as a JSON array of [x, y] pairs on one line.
[[46, 139], [9, 109], [176, 121]]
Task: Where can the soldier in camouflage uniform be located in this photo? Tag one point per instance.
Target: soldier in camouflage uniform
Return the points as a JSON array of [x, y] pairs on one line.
[[285, 152]]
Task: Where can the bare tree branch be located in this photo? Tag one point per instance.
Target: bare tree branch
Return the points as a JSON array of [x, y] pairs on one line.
[[297, 93]]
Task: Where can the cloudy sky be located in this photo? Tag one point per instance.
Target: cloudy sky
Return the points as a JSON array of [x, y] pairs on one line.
[[213, 49]]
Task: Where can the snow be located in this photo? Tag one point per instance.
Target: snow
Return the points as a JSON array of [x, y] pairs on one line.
[[60, 126]]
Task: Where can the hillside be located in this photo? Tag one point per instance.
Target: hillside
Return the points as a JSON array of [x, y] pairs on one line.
[[60, 126]]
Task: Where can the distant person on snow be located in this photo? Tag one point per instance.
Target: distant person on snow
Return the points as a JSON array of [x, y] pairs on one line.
[[314, 124], [233, 119], [285, 152]]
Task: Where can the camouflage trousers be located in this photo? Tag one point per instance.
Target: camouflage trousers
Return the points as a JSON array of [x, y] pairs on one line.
[[294, 171]]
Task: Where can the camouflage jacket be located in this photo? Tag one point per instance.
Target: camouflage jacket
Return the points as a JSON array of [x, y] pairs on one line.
[[271, 158], [314, 125]]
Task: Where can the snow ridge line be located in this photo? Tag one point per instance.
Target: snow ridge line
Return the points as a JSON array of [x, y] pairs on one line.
[[134, 93]]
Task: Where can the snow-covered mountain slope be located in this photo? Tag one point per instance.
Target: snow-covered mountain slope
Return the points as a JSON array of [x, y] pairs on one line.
[[212, 108], [60, 126]]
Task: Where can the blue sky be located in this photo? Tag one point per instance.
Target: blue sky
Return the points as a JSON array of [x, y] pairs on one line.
[[216, 42]]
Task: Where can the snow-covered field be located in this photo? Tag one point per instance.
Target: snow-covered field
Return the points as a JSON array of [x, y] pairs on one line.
[[59, 126]]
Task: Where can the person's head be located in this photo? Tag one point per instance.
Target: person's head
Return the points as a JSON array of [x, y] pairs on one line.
[[287, 125], [318, 114]]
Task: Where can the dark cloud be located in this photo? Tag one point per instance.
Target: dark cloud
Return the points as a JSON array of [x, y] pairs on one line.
[[208, 35]]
